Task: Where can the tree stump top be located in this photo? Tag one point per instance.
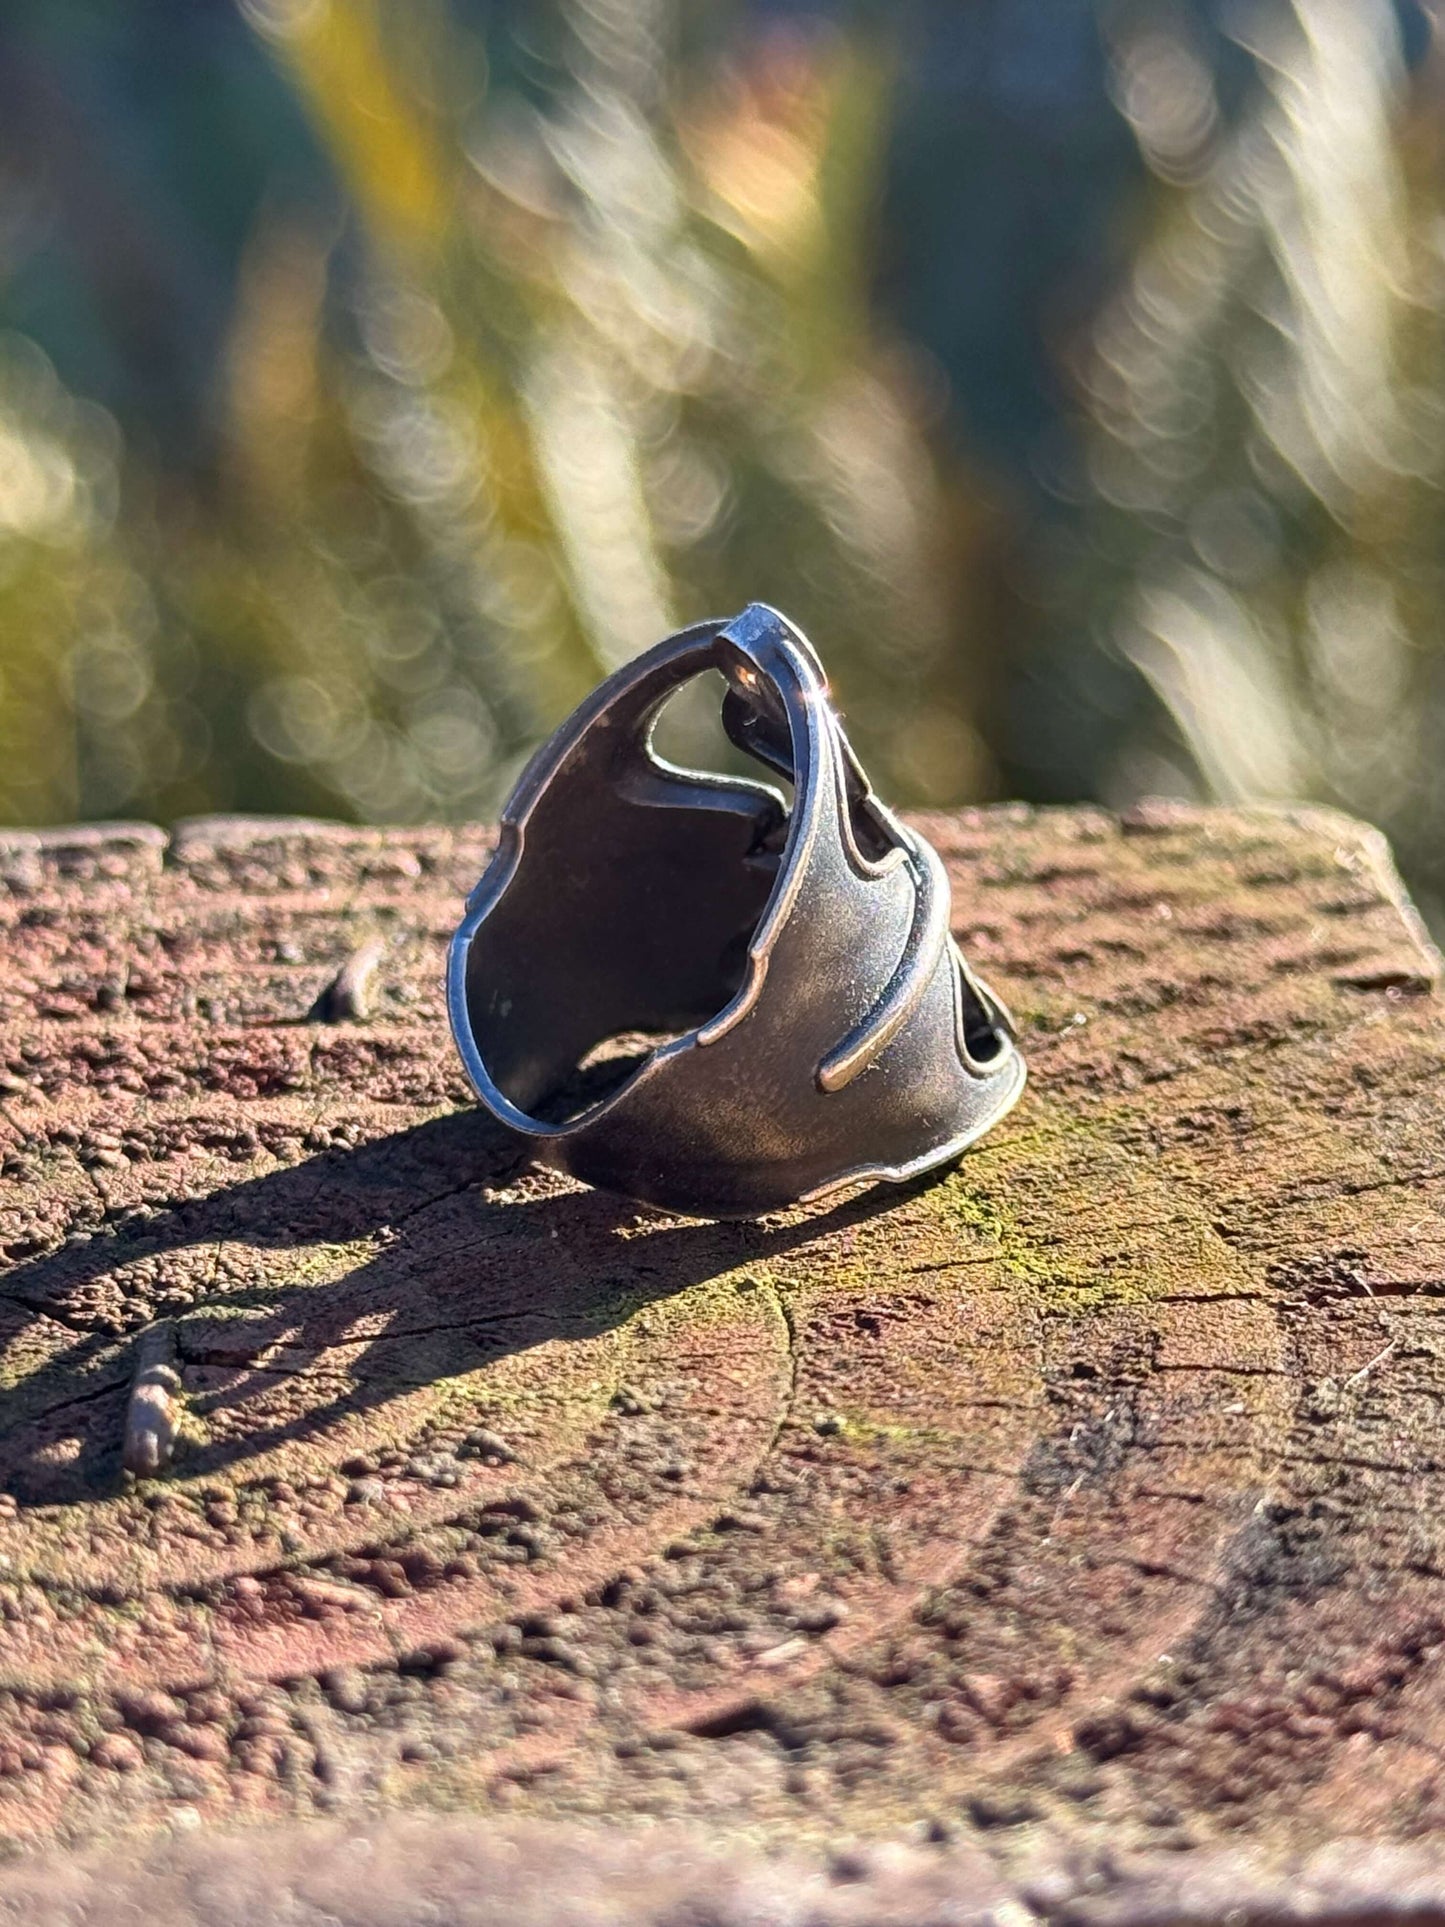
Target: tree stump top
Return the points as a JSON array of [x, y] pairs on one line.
[[1092, 1492]]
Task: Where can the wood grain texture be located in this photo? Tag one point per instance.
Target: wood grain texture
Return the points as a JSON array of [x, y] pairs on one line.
[[1093, 1493]]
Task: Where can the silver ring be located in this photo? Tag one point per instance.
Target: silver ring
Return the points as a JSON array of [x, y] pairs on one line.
[[679, 988]]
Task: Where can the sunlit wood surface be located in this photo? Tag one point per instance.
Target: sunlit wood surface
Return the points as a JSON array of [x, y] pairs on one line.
[[1092, 1494]]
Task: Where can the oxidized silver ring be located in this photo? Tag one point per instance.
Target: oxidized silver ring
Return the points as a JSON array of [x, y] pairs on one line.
[[797, 1015]]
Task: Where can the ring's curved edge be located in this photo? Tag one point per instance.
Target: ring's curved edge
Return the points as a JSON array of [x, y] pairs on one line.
[[859, 1177], [804, 822], [506, 859], [912, 975], [931, 1159], [542, 764]]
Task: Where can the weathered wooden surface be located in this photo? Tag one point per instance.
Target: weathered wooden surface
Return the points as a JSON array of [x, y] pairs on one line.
[[1096, 1492], [466, 1871]]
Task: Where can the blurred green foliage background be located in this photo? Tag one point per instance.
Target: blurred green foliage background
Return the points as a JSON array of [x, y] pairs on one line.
[[377, 374]]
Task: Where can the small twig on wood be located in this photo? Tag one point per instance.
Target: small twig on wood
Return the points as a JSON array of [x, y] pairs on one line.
[[347, 998], [1366, 1369], [152, 1417]]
